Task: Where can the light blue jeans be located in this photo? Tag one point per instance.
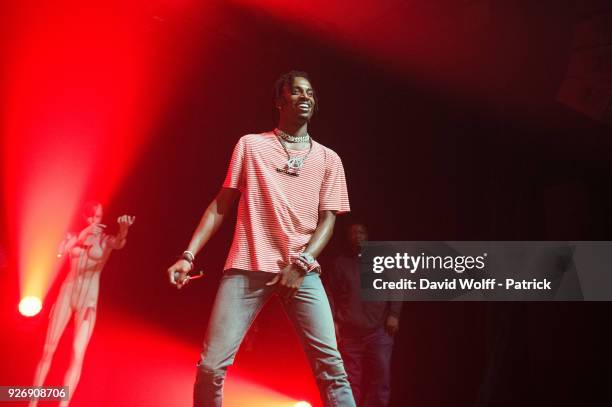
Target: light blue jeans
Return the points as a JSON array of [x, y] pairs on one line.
[[241, 296]]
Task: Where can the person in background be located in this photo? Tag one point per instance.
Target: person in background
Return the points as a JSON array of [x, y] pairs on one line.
[[365, 328], [87, 252]]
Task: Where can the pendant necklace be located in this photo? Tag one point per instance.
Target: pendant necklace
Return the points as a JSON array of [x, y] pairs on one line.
[[294, 164]]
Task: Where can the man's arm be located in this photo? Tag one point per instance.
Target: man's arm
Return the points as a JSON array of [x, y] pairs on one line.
[[209, 224], [212, 218], [291, 277], [392, 322], [322, 234]]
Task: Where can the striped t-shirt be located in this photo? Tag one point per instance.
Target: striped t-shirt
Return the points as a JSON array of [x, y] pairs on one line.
[[277, 212]]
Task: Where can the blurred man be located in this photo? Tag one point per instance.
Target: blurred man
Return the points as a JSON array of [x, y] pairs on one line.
[[365, 328]]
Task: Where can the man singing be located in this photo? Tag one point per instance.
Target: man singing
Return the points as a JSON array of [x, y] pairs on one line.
[[290, 189]]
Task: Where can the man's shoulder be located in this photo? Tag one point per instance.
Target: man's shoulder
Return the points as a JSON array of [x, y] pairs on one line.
[[255, 138], [328, 153]]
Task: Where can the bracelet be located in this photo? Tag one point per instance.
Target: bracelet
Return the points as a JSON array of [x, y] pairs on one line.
[[187, 255], [307, 258], [301, 264]]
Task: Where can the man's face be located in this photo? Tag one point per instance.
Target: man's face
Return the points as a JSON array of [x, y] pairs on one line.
[[298, 99], [357, 235]]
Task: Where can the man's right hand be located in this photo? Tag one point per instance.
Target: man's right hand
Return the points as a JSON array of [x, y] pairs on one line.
[[182, 267]]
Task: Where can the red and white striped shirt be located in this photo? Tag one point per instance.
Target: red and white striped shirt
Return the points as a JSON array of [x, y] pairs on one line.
[[278, 213]]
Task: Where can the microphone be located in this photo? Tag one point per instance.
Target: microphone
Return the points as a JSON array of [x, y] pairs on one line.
[[188, 277]]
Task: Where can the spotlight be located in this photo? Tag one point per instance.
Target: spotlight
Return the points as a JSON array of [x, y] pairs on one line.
[[303, 404], [30, 306]]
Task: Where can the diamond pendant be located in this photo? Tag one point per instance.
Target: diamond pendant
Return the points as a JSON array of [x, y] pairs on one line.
[[295, 163]]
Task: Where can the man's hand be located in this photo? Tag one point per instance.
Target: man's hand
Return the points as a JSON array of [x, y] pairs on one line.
[[182, 267], [392, 325], [289, 281]]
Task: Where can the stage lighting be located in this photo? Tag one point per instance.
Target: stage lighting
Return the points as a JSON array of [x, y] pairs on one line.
[[303, 404], [30, 306]]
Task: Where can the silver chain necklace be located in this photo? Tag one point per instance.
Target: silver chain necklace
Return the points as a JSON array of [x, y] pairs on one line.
[[290, 138], [294, 164]]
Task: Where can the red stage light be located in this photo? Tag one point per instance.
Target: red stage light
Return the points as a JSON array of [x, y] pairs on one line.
[[82, 95], [303, 404]]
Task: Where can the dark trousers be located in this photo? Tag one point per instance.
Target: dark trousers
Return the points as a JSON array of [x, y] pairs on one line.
[[367, 360]]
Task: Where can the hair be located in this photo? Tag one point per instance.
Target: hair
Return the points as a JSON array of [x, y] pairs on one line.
[[286, 79], [351, 220], [89, 209], [356, 223]]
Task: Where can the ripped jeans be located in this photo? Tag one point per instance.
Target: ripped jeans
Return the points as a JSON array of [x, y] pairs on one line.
[[241, 296]]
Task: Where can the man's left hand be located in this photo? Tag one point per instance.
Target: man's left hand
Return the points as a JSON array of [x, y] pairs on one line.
[[392, 325], [289, 281]]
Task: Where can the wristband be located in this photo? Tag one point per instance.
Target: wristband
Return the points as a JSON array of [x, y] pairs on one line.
[[307, 258], [187, 255], [301, 264], [305, 261]]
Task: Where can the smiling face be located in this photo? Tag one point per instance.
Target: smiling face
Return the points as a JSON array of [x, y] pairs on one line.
[[297, 101]]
